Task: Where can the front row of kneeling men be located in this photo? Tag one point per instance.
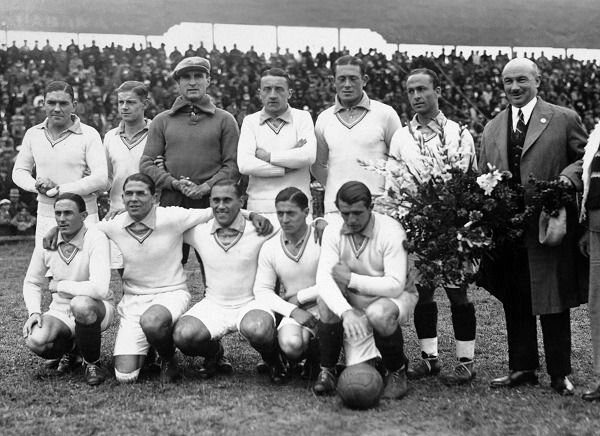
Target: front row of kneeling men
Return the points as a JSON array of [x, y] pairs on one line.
[[349, 291]]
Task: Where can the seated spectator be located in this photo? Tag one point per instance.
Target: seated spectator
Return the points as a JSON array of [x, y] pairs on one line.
[[5, 218], [23, 222]]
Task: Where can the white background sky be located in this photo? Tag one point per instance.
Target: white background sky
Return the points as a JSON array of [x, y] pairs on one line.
[[265, 39]]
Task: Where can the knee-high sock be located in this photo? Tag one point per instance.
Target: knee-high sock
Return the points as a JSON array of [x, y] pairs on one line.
[[465, 325], [312, 352], [330, 343], [391, 349], [426, 316], [88, 339], [269, 351], [210, 348]]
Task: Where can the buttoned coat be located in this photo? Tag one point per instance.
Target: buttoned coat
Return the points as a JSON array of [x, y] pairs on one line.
[[553, 146]]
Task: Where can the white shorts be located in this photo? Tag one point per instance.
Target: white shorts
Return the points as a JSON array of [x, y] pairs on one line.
[[62, 312], [45, 223], [131, 339], [221, 320], [286, 320], [360, 350]]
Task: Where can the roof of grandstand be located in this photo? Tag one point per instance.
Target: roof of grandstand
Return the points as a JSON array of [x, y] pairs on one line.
[[535, 23]]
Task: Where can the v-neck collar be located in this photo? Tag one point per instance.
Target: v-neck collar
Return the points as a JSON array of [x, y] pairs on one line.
[[295, 257]]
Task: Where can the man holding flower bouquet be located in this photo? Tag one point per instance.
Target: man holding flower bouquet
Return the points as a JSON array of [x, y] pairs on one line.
[[535, 138], [431, 142]]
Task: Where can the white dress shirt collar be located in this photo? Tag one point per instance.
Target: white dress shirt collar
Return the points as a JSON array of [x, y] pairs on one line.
[[527, 111]]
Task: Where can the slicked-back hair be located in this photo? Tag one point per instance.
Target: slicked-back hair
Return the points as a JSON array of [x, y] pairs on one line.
[[435, 80], [144, 178], [229, 182], [353, 192], [138, 88], [59, 85], [293, 195], [75, 198], [349, 60], [276, 72]]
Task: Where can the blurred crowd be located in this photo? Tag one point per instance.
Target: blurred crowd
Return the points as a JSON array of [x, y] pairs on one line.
[[471, 85]]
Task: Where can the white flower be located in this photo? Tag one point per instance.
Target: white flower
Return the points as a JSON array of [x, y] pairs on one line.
[[488, 181]]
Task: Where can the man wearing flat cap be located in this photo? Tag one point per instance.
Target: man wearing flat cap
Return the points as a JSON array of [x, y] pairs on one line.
[[197, 140]]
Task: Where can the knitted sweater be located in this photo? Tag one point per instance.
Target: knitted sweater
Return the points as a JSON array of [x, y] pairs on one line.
[[204, 150], [77, 164], [267, 179], [339, 148]]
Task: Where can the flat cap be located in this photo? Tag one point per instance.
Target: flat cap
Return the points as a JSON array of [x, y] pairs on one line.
[[191, 63], [4, 201]]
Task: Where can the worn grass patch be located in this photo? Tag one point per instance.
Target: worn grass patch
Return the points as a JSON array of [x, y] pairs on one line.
[[34, 402]]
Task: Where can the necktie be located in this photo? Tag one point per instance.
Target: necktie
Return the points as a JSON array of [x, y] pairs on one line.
[[521, 123]]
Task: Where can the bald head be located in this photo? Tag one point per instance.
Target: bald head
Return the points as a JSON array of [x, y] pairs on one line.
[[521, 80]]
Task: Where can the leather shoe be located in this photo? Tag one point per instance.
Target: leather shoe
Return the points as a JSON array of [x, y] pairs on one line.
[[514, 379], [562, 385], [593, 395]]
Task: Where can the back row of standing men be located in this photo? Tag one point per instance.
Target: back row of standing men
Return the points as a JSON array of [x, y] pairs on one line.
[[191, 147]]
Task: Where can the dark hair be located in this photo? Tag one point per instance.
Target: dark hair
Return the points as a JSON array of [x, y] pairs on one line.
[[59, 85], [294, 195], [229, 182], [435, 80], [349, 60], [353, 192], [75, 198], [138, 88], [276, 72], [144, 178]]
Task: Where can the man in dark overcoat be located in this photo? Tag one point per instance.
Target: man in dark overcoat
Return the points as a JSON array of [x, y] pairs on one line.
[[532, 137]]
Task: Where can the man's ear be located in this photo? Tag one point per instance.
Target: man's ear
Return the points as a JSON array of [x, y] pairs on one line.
[[365, 80]]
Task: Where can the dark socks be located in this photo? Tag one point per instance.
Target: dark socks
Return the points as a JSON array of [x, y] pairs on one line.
[[391, 349], [426, 316], [464, 321], [88, 338], [330, 343]]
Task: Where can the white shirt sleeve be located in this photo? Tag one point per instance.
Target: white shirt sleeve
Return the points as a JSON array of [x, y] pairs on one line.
[[248, 163], [99, 267], [328, 288], [395, 266], [303, 156], [264, 284], [35, 281], [95, 158], [22, 171]]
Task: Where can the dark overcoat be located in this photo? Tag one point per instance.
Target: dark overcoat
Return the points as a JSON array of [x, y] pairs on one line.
[[553, 146]]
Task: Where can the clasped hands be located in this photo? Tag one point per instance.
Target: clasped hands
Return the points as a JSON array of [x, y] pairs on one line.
[[46, 187]]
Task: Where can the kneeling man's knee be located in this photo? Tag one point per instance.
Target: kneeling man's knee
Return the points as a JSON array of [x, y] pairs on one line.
[[84, 309], [257, 326]]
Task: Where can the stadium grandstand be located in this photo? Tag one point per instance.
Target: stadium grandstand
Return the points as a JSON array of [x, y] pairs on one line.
[[471, 83]]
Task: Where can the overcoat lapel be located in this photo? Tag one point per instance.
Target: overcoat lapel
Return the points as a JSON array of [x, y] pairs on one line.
[[501, 137], [539, 120]]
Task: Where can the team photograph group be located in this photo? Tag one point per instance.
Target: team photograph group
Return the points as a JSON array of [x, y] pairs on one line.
[[282, 216]]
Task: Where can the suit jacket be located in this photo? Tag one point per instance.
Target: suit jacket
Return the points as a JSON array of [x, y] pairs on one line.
[[553, 146]]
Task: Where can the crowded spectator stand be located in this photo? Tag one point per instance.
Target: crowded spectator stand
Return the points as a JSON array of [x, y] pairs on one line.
[[471, 84]]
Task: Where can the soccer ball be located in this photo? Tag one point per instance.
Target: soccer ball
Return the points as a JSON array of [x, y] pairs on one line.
[[360, 386]]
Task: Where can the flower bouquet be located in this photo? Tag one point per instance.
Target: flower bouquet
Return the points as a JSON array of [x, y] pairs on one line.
[[452, 215], [551, 199]]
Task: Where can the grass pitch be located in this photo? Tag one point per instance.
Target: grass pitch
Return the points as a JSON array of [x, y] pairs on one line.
[[32, 401]]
